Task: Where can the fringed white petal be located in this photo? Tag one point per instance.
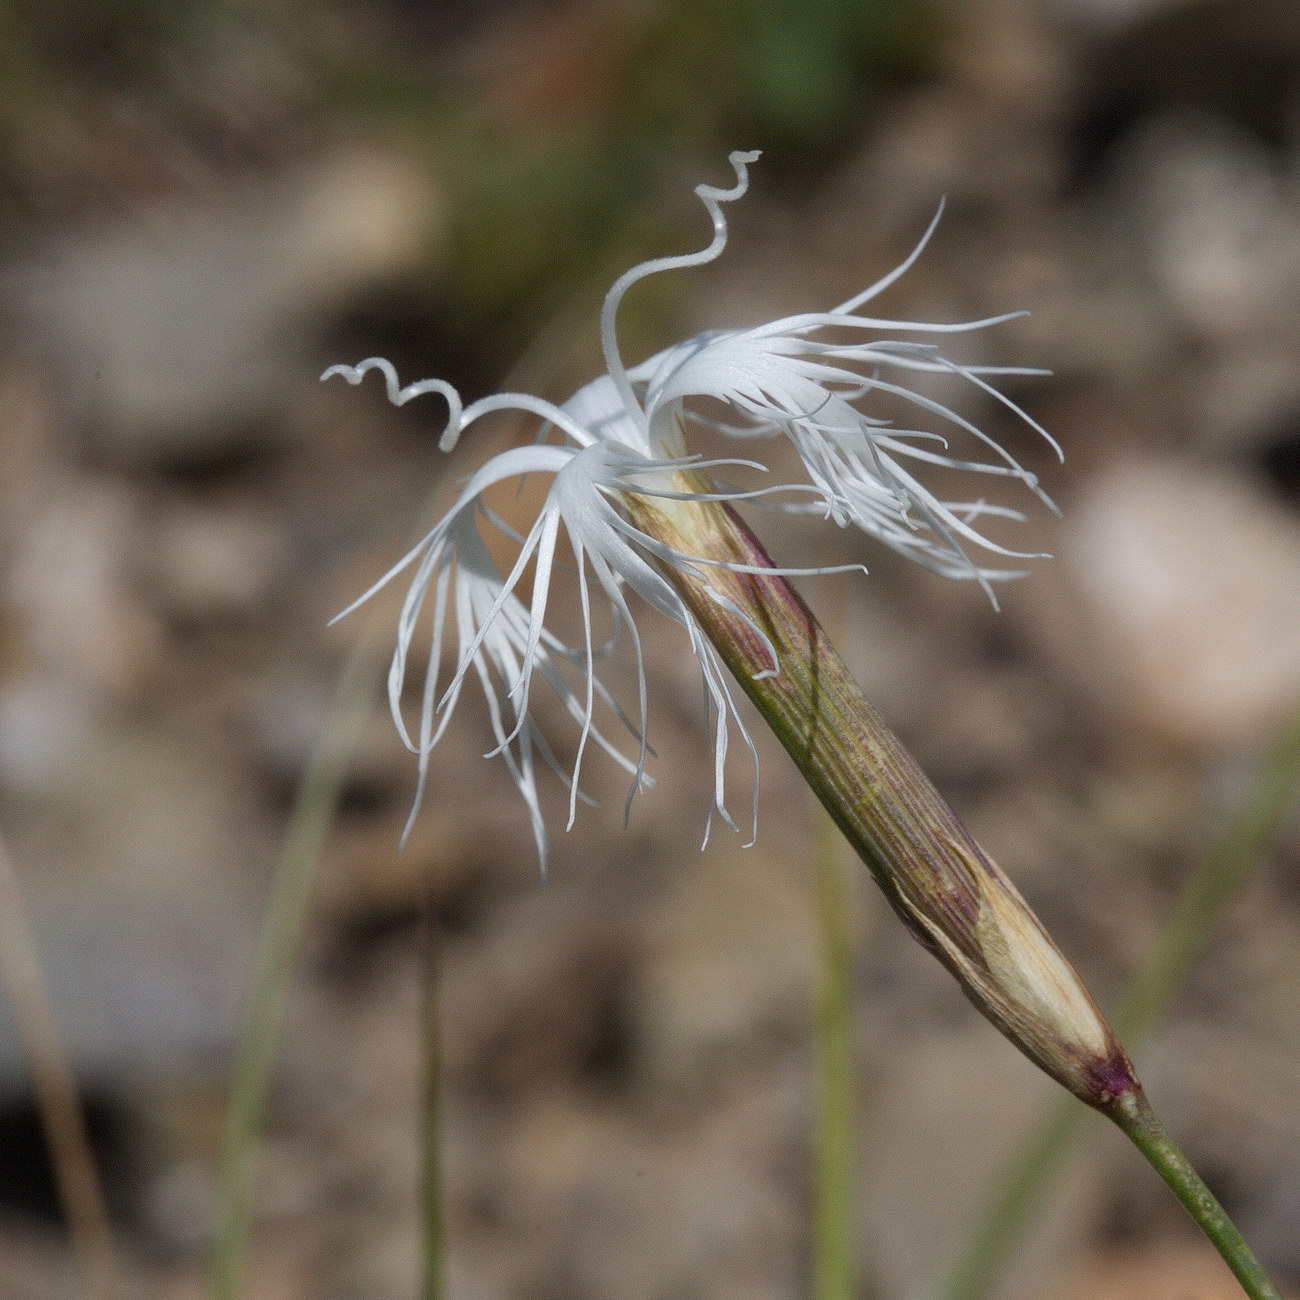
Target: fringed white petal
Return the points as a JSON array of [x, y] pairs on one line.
[[781, 379], [506, 644]]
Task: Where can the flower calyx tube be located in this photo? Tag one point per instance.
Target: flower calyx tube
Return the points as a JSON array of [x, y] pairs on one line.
[[945, 888]]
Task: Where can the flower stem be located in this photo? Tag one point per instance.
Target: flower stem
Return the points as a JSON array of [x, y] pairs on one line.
[[1216, 881], [834, 1140], [300, 850], [1139, 1123]]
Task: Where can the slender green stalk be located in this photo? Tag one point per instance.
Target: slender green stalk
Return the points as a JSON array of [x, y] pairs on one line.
[[56, 1094], [1213, 885], [1145, 1131], [834, 1136], [431, 1194], [291, 882]]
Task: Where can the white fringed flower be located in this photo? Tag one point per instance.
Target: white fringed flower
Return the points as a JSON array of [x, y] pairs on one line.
[[506, 643], [622, 436], [785, 378]]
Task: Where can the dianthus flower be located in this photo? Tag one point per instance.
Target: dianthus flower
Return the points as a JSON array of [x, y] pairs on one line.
[[646, 527], [615, 448]]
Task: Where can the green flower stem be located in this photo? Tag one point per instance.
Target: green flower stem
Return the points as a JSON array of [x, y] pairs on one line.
[[291, 881], [1145, 1131], [834, 1136], [1212, 887]]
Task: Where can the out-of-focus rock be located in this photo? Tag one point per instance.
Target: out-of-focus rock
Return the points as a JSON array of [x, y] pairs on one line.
[[144, 932], [1188, 624], [77, 615], [1230, 1112], [33, 1265], [208, 560], [27, 462], [537, 997], [1233, 60], [1009, 55], [179, 1205], [1221, 236], [177, 333], [1105, 14], [697, 1212], [1270, 1224], [1249, 398], [45, 722]]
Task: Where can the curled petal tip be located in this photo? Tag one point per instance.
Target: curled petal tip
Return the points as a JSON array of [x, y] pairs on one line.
[[711, 194]]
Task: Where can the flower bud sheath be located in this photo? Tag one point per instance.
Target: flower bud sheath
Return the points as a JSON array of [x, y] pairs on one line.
[[951, 896]]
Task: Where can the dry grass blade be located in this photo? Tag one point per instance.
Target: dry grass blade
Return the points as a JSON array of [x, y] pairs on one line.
[[56, 1093]]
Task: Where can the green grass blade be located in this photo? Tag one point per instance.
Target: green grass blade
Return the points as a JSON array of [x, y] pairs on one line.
[[291, 882]]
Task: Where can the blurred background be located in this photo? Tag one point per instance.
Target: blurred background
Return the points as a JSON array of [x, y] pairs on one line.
[[204, 204]]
